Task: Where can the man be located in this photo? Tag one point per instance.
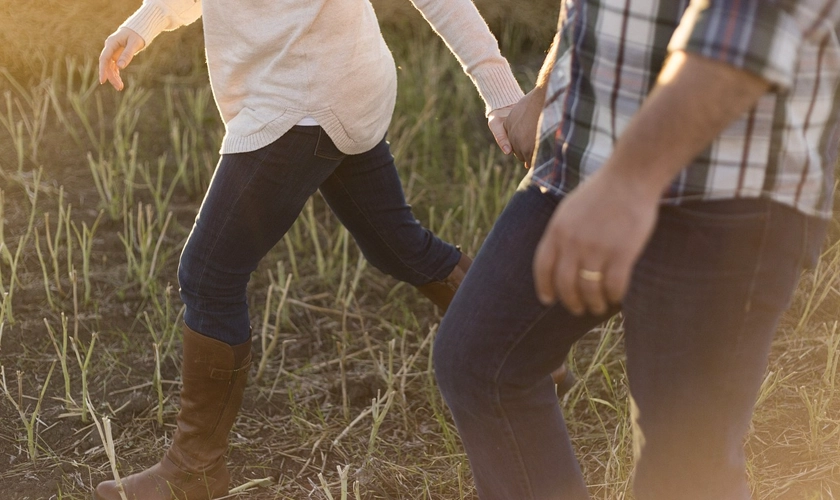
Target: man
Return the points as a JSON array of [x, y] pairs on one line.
[[683, 175]]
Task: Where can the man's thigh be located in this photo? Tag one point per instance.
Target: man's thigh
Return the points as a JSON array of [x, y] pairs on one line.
[[700, 315], [494, 353], [496, 320]]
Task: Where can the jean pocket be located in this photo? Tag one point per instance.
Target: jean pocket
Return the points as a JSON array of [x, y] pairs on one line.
[[720, 237], [720, 212], [326, 148]]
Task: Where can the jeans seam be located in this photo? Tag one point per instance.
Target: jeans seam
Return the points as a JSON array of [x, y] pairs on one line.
[[806, 239], [754, 280], [226, 220], [375, 229], [526, 484]]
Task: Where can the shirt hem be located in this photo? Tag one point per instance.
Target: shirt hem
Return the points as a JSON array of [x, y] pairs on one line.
[[549, 188]]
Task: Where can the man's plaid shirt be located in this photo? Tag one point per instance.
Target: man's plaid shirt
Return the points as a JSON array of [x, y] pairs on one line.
[[611, 51]]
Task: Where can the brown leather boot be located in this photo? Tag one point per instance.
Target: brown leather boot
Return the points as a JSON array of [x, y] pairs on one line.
[[564, 379], [194, 466], [441, 294]]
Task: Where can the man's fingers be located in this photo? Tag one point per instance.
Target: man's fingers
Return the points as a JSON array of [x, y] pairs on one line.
[[617, 279], [566, 284], [591, 285], [555, 270], [543, 269]]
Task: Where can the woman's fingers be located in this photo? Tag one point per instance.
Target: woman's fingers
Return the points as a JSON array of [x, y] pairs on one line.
[[118, 52], [496, 122]]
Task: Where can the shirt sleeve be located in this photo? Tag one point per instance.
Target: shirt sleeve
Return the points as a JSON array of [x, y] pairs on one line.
[[460, 25], [763, 37], [157, 16]]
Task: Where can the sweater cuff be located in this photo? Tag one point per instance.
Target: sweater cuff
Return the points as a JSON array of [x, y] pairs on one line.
[[149, 21], [497, 87]]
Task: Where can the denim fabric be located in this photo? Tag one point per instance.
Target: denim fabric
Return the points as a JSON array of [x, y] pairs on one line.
[[254, 198], [699, 317]]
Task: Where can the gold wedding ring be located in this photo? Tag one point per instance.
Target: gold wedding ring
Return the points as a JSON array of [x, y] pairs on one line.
[[588, 275]]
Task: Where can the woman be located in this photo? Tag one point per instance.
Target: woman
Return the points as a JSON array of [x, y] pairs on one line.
[[306, 91]]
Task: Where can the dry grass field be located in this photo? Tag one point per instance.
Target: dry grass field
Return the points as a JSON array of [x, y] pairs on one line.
[[98, 191]]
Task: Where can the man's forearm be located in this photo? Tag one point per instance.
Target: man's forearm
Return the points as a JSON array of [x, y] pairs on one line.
[[694, 100]]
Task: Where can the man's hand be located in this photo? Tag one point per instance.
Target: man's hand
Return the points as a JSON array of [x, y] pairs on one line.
[[590, 246], [591, 243], [521, 124], [496, 121], [118, 52]]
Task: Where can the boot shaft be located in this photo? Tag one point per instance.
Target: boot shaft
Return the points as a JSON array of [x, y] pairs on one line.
[[213, 385], [442, 292]]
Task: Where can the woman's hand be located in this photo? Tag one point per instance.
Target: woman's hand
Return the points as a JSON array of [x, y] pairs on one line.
[[496, 122], [521, 124], [119, 50]]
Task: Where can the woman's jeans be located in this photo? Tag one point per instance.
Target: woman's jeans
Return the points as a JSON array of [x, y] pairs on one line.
[[254, 198], [703, 304]]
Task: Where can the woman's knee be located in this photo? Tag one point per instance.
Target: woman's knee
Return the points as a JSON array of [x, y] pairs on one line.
[[208, 285], [195, 294], [187, 284]]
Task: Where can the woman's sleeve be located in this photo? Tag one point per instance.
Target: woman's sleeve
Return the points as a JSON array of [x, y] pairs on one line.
[[460, 25], [157, 16]]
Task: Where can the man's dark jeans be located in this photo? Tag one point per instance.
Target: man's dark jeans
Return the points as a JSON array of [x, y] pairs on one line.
[[255, 197], [699, 317]]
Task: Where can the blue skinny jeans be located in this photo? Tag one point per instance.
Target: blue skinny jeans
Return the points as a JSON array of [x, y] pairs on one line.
[[254, 198], [701, 311]]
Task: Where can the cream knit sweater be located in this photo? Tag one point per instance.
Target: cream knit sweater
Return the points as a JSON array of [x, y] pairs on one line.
[[274, 62]]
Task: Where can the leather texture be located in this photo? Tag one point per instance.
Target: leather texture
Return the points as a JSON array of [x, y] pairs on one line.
[[193, 468], [442, 292]]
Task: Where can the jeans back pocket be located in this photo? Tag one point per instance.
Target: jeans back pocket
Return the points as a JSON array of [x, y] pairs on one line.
[[326, 148]]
